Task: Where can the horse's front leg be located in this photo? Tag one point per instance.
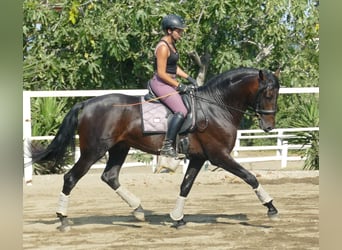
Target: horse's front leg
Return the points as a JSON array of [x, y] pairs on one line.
[[188, 180], [235, 168]]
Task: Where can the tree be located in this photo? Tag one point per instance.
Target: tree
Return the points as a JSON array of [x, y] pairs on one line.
[[109, 44]]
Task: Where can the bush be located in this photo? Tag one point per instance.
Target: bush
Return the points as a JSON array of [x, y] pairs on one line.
[[307, 115], [47, 115]]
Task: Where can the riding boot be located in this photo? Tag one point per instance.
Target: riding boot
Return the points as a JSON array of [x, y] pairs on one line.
[[174, 125]]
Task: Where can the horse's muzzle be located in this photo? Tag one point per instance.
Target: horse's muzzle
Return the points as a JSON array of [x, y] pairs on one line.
[[266, 123]]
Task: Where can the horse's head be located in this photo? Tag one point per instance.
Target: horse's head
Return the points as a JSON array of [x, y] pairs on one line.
[[266, 99]]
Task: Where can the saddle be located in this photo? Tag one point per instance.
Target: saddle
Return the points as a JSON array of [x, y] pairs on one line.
[[156, 108]]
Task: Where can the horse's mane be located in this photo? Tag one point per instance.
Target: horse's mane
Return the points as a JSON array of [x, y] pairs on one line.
[[221, 82], [228, 77]]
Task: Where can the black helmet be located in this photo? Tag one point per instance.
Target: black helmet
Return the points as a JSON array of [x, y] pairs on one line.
[[172, 22]]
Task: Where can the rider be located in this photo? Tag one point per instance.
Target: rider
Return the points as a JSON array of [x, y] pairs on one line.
[[164, 81]]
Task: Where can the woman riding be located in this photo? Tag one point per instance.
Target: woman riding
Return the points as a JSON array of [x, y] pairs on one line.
[[164, 81]]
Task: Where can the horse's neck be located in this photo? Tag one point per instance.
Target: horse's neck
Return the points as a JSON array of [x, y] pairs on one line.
[[239, 98], [246, 92]]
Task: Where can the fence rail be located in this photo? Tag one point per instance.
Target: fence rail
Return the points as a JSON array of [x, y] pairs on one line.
[[281, 147]]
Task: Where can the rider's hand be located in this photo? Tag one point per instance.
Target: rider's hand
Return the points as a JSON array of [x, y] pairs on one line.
[[192, 81], [182, 88]]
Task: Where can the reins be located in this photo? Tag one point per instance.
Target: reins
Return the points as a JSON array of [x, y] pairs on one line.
[[225, 107], [255, 112], [251, 112], [196, 96], [140, 103]]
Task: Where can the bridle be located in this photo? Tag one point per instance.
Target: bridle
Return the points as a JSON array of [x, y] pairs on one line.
[[257, 109]]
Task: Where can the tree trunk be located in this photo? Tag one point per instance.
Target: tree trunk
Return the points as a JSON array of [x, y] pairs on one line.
[[203, 63]]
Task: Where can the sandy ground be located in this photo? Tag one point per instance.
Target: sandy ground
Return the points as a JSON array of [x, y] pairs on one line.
[[221, 212]]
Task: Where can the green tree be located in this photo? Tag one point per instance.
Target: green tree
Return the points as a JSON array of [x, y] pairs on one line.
[[109, 44]]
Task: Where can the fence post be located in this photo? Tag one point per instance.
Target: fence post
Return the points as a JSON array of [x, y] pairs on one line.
[[237, 144], [284, 151], [279, 141], [77, 154], [28, 169], [154, 163], [185, 166]]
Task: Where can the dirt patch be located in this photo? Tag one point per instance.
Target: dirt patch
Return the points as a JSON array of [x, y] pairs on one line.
[[222, 212]]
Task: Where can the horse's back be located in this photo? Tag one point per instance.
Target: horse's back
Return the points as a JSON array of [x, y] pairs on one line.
[[101, 112], [113, 100]]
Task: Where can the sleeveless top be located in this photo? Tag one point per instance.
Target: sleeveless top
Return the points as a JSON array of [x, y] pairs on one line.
[[171, 64]]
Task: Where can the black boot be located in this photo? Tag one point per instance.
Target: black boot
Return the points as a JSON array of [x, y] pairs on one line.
[[173, 128]]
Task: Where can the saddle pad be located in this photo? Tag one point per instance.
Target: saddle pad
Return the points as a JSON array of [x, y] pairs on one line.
[[154, 117]]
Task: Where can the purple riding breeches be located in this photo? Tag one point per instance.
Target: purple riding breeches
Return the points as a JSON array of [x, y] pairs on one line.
[[173, 101]]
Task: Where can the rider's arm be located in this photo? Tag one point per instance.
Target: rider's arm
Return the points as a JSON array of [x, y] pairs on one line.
[[162, 53], [181, 73]]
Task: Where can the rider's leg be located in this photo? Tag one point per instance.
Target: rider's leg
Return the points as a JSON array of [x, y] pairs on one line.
[[173, 128], [174, 102]]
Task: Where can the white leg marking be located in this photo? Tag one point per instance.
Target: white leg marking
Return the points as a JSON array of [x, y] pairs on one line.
[[128, 197], [63, 201], [262, 194], [177, 212]]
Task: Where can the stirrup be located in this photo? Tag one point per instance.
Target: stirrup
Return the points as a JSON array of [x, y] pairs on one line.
[[171, 153], [168, 152], [180, 156]]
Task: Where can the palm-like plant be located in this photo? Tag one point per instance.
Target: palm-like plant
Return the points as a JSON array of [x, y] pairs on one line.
[[307, 115], [47, 115]]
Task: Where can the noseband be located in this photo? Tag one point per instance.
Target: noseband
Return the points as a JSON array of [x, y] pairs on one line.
[[258, 97]]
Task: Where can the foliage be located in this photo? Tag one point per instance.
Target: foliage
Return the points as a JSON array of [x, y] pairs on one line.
[[44, 112], [109, 44], [142, 157], [307, 115], [46, 122]]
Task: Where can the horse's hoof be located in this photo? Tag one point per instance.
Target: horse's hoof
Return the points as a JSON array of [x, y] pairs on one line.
[[272, 212], [139, 213], [64, 228], [65, 223], [179, 224]]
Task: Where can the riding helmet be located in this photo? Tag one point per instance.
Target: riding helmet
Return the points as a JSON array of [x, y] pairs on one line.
[[173, 22]]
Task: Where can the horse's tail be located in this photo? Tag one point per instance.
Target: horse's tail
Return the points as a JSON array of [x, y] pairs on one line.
[[65, 137]]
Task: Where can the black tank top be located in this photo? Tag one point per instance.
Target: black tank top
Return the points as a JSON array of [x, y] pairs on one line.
[[171, 64]]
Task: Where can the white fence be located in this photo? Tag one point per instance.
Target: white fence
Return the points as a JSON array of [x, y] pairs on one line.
[[281, 148]]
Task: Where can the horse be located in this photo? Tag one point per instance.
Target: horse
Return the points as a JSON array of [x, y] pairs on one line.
[[110, 124]]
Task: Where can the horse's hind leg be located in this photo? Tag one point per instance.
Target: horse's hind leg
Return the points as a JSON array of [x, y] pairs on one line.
[[235, 168], [71, 178], [117, 156]]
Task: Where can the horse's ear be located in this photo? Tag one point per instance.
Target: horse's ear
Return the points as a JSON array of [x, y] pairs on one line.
[[261, 75], [277, 73]]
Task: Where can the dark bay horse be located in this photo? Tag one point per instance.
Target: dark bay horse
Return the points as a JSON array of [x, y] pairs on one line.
[[110, 124]]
